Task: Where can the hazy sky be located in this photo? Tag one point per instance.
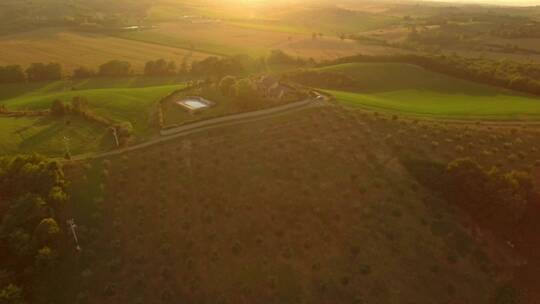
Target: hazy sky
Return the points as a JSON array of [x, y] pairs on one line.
[[501, 2]]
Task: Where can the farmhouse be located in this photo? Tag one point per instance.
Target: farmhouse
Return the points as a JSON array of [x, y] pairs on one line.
[[270, 87]]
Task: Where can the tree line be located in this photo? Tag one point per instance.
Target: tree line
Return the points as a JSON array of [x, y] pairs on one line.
[[212, 66], [524, 77], [35, 72]]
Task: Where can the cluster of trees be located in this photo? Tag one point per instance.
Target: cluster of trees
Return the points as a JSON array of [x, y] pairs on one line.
[[160, 67], [113, 68], [502, 198], [243, 90], [34, 201], [278, 57], [210, 67], [35, 72], [524, 77]]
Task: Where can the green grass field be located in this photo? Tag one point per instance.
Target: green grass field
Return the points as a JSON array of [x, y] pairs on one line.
[[45, 135], [414, 90], [122, 99]]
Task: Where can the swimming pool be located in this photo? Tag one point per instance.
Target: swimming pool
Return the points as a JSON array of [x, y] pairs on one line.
[[193, 104]]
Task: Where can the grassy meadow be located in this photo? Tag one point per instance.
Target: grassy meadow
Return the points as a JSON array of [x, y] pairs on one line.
[[413, 90]]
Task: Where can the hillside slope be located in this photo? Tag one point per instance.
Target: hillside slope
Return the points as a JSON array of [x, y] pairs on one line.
[[310, 207], [412, 89]]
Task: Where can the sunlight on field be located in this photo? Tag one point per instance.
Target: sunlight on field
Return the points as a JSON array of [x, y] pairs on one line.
[[74, 49], [227, 39]]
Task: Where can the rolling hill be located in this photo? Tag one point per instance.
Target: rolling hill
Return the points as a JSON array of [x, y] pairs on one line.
[[414, 90]]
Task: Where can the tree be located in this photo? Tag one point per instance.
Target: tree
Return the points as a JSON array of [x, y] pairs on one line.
[[82, 73], [226, 84], [115, 68], [11, 294]]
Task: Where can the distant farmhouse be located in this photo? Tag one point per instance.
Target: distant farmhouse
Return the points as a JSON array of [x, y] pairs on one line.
[[271, 88]]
